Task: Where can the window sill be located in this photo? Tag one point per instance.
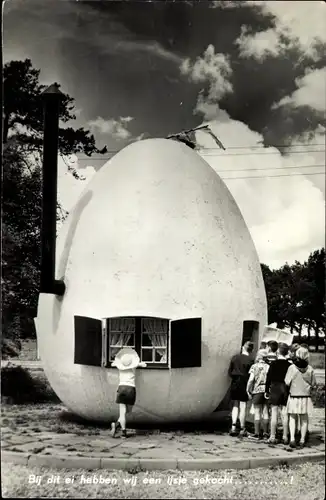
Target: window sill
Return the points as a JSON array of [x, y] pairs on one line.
[[153, 367], [148, 367]]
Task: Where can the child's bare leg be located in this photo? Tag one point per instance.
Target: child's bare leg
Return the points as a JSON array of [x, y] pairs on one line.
[[304, 427], [285, 423], [265, 419], [242, 413], [292, 426], [122, 416], [257, 418], [274, 421], [235, 413]]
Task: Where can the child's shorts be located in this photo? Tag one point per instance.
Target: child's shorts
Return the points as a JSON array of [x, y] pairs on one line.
[[278, 394], [126, 395], [239, 389], [259, 399]]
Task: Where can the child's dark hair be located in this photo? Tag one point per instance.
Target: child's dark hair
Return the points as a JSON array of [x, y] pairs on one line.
[[305, 346], [249, 346], [283, 349], [273, 345], [263, 345]]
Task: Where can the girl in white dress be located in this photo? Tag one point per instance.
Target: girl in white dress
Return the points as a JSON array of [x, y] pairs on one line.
[[301, 379]]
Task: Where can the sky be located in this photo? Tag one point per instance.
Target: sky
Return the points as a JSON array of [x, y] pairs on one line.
[[254, 71]]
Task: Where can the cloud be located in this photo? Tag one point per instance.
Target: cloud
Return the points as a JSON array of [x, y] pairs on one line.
[[213, 68], [91, 24], [115, 128], [260, 44], [284, 213], [140, 137], [298, 24], [151, 47], [274, 81], [311, 91], [224, 4]]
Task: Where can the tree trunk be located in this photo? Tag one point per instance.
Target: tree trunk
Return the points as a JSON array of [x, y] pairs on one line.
[[5, 127], [309, 334], [317, 336]]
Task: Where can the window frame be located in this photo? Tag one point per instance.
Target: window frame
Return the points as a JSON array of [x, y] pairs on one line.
[[138, 341]]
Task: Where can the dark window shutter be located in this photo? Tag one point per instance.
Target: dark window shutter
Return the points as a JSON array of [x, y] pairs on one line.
[[186, 343], [88, 341]]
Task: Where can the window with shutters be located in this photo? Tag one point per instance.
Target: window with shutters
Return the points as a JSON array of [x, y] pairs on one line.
[[88, 341], [186, 343], [148, 336], [160, 343]]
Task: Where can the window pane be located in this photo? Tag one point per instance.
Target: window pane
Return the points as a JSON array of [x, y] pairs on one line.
[[147, 355], [160, 355], [158, 340], [126, 325], [146, 340], [122, 339], [130, 341], [160, 326], [154, 325], [147, 325]]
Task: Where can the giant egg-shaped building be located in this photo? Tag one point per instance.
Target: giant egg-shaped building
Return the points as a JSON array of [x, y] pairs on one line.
[[155, 255]]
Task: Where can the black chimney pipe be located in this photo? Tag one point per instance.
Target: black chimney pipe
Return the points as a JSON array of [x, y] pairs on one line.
[[52, 97]]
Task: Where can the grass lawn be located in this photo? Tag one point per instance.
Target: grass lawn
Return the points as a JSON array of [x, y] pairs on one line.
[[305, 481]]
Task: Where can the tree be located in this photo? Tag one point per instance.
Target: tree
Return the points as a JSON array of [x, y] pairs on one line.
[[21, 203], [296, 295], [314, 301], [23, 112]]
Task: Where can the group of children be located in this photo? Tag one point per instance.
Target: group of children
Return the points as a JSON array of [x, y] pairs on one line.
[[280, 380]]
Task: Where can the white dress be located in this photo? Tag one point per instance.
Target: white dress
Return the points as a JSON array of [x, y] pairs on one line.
[[300, 384]]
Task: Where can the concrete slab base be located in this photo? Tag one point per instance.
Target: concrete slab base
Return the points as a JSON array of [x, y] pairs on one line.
[[75, 462]]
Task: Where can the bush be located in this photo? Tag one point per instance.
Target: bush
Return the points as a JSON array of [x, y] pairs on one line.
[[10, 348], [317, 360], [19, 387], [318, 396]]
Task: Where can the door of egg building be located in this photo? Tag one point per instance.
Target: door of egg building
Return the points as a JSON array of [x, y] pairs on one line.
[[250, 333]]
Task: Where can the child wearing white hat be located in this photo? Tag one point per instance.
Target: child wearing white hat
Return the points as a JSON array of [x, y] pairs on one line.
[[127, 360]]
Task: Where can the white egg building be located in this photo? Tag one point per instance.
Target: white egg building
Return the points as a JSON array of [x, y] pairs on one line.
[[155, 255]]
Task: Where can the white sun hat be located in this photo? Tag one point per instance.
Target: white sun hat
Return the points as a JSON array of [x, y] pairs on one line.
[[126, 359]]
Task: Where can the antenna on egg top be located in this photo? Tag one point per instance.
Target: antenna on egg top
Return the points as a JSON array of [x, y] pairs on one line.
[[52, 97], [188, 136]]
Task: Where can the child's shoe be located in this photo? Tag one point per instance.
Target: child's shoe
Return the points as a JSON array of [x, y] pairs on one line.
[[114, 428], [243, 433], [293, 444], [254, 437], [123, 433], [233, 432]]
